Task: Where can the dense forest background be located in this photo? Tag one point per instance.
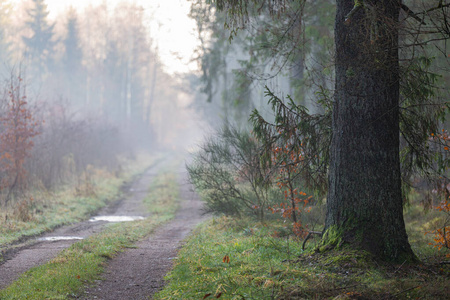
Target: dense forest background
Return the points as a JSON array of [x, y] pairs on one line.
[[81, 88]]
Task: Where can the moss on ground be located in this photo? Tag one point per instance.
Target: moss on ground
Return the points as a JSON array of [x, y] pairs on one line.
[[264, 265]]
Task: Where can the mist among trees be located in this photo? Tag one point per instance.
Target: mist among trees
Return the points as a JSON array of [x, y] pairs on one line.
[[82, 89], [349, 103], [316, 134]]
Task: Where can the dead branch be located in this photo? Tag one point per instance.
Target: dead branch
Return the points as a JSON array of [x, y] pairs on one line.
[[310, 233]]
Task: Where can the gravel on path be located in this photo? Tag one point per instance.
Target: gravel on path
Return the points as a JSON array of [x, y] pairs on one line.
[[139, 273], [36, 251]]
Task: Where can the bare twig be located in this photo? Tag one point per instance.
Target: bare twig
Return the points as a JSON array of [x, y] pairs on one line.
[[309, 236], [404, 291], [400, 267], [412, 14]]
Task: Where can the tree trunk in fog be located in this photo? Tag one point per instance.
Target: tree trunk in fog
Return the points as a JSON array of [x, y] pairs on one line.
[[128, 90], [364, 205], [297, 70], [152, 90]]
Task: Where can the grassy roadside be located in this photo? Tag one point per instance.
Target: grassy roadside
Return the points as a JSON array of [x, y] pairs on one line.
[[44, 211], [67, 274], [240, 259]]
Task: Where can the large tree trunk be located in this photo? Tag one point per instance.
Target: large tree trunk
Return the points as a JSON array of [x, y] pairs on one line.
[[364, 205]]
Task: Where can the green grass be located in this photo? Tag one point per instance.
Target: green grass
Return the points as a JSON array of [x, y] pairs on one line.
[[418, 222], [43, 211], [162, 203], [67, 274], [265, 266]]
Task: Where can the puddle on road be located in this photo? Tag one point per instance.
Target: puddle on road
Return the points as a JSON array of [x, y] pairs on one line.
[[116, 218], [59, 238]]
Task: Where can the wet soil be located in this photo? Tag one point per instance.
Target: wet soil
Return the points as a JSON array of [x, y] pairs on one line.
[[134, 274], [139, 273]]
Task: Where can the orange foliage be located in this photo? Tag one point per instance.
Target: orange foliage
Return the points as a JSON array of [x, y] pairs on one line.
[[18, 129], [442, 138], [289, 161], [442, 235]]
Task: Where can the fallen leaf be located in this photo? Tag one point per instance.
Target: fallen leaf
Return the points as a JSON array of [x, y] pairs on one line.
[[226, 259]]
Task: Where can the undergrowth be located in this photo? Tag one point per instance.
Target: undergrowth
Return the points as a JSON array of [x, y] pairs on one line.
[[240, 259], [43, 210], [79, 265]]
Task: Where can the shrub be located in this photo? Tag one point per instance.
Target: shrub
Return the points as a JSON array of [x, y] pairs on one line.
[[228, 174], [68, 145], [442, 234], [17, 129]]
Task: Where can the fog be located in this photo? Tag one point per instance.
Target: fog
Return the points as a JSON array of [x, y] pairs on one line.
[[85, 84], [103, 59], [82, 85]]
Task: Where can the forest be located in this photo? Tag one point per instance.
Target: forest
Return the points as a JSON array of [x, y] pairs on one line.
[[305, 156]]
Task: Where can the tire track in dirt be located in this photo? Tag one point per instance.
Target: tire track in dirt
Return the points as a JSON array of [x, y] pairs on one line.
[[35, 251], [139, 273]]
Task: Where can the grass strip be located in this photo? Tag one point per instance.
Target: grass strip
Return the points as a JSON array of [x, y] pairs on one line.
[[72, 203], [241, 259], [67, 274]]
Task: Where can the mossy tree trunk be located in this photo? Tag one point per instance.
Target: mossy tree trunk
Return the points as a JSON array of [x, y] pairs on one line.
[[364, 205]]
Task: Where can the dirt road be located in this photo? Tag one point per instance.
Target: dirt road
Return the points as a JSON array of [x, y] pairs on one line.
[[139, 273], [134, 274]]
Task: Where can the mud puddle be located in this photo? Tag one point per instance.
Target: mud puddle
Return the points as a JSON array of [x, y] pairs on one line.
[[116, 219], [59, 238], [37, 251]]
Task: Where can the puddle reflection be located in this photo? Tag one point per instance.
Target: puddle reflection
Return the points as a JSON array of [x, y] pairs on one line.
[[59, 238], [116, 218]]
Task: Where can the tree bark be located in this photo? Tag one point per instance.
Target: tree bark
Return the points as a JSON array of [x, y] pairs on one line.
[[364, 205]]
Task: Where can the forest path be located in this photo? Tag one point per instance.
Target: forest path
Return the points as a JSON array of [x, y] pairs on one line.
[[39, 250], [139, 273]]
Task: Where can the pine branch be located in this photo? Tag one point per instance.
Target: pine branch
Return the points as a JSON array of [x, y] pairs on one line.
[[440, 5]]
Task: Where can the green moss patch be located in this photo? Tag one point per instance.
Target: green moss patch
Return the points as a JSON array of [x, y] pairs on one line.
[[264, 265]]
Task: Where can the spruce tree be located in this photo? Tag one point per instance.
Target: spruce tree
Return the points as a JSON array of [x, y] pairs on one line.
[[365, 197], [40, 44], [72, 62]]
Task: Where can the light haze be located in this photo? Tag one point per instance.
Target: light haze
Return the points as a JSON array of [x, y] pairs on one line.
[[170, 27]]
